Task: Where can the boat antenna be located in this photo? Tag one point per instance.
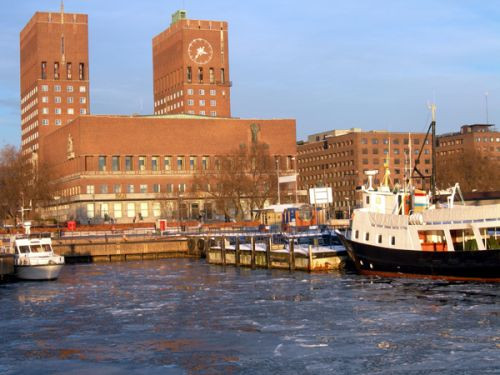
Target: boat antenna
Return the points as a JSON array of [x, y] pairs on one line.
[[387, 173]]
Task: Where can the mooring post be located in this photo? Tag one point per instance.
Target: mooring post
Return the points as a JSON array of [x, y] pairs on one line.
[[310, 266], [291, 255], [237, 252], [223, 250], [269, 243], [252, 243]]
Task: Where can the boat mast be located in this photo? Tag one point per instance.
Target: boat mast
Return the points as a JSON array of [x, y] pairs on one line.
[[434, 147]]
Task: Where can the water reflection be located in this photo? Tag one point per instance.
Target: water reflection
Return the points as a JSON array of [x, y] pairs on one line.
[[183, 316]]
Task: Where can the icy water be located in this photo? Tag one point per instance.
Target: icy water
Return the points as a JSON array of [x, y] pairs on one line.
[[187, 317]]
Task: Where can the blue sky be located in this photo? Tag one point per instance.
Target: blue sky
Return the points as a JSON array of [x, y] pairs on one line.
[[328, 64]]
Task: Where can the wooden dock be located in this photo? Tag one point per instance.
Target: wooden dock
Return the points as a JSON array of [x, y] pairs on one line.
[[266, 254]]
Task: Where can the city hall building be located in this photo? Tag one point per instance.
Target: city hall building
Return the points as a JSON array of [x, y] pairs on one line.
[[129, 168]]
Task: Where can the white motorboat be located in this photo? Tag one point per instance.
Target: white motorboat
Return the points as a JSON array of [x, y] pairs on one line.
[[34, 259]]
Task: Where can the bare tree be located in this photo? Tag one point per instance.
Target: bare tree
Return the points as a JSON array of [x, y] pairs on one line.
[[22, 181], [472, 170], [241, 181]]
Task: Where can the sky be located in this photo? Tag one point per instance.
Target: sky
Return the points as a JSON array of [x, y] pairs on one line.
[[328, 64]]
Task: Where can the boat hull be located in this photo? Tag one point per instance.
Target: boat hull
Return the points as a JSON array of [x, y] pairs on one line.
[[480, 265], [38, 272]]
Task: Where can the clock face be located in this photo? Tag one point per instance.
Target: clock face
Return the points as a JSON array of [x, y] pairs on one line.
[[200, 51]]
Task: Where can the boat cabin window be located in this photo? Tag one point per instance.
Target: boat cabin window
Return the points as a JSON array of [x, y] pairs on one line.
[[393, 240], [46, 248], [24, 249], [379, 238], [37, 249], [356, 234], [367, 199], [367, 236]]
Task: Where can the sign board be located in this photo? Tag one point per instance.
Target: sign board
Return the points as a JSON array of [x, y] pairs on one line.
[[285, 179], [320, 195]]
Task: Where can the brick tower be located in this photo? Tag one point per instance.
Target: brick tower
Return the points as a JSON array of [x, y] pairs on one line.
[[54, 74], [191, 68]]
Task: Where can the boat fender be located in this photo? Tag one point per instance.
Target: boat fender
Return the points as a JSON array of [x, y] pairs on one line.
[[416, 219]]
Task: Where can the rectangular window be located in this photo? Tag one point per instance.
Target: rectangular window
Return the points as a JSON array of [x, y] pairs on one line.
[[367, 236], [142, 163], [201, 92], [393, 240], [44, 72], [202, 113], [117, 188], [83, 89], [69, 73], [117, 210], [71, 111], [45, 111], [143, 188], [128, 163], [58, 122], [130, 188], [180, 163], [45, 121], [212, 75], [213, 92], [45, 99], [155, 163], [356, 234], [57, 88], [69, 88], [170, 188], [104, 189], [57, 99], [81, 71], [90, 210], [190, 102], [83, 100], [130, 210], [167, 163], [57, 111], [115, 163], [204, 163], [192, 163], [213, 113], [144, 210], [90, 189], [156, 209], [69, 99], [190, 91], [102, 163], [45, 88], [379, 240], [200, 74], [182, 188], [104, 210], [156, 188], [202, 102], [189, 74], [56, 70], [222, 76], [83, 111], [213, 103]]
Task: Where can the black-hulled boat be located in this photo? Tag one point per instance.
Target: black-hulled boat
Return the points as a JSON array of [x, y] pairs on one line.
[[400, 233]]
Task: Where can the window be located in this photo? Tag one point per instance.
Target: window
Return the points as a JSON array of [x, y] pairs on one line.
[[57, 99], [45, 111], [104, 189], [143, 188], [156, 209], [393, 240], [200, 74], [130, 188], [117, 209], [142, 163], [356, 234], [83, 89], [170, 188], [190, 91], [44, 72], [202, 102], [156, 188], [57, 88], [374, 141], [128, 163], [83, 100], [69, 73], [201, 92], [83, 111], [90, 189], [71, 111], [45, 121], [213, 113], [69, 88], [202, 113], [192, 163], [167, 163], [81, 71], [102, 163], [90, 210], [190, 102], [56, 70], [117, 188], [70, 99], [367, 236], [379, 239], [58, 122], [115, 163], [130, 210], [211, 75], [213, 92], [180, 163], [222, 75], [182, 188], [189, 74], [45, 99], [213, 103], [144, 210], [57, 111], [395, 141], [155, 163], [204, 163], [45, 88]]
